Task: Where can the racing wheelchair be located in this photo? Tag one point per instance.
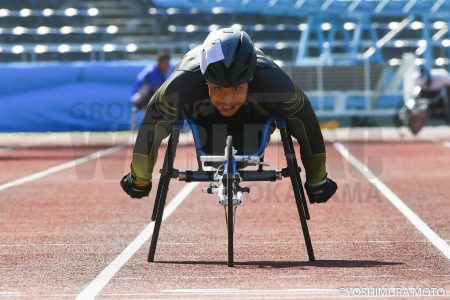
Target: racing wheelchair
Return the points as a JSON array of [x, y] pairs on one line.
[[422, 105], [227, 185]]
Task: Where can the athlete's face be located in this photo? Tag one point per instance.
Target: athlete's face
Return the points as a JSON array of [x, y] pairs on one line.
[[227, 100]]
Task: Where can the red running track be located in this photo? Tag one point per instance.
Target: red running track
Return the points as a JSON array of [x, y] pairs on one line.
[[59, 232]]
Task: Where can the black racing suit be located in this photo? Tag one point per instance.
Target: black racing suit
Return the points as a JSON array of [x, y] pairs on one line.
[[184, 96]]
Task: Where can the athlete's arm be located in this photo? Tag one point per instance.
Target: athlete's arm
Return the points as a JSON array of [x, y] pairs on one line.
[[141, 80], [161, 113], [304, 126]]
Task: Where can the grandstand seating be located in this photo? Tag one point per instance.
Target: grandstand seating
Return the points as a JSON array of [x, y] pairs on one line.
[[134, 29]]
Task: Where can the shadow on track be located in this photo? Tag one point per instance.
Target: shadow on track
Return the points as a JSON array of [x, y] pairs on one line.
[[295, 264]]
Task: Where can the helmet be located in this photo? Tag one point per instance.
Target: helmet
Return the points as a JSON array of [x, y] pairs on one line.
[[228, 57]]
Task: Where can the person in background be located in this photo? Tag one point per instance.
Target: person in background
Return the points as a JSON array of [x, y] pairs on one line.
[[149, 80], [432, 99], [434, 80], [435, 83]]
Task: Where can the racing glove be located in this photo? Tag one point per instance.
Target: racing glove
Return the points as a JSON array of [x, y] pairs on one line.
[[132, 190], [321, 191]]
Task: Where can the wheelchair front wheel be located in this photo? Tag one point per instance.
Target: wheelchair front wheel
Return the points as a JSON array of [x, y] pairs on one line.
[[229, 182]]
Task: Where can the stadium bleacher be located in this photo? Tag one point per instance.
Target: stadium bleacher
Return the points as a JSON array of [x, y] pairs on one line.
[[118, 29]]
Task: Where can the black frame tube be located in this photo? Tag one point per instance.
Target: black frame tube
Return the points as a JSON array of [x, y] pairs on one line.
[[297, 173], [297, 186], [267, 175], [163, 187]]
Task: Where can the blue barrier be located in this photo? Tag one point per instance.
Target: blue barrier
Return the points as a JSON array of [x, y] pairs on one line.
[[17, 79], [66, 97], [93, 97]]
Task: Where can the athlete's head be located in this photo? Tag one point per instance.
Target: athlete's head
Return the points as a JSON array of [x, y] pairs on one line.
[[228, 61]]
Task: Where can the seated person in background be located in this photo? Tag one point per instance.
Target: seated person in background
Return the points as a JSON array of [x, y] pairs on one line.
[[149, 80], [435, 86], [433, 80]]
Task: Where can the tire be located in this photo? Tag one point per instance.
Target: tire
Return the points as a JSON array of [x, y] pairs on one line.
[[230, 219]]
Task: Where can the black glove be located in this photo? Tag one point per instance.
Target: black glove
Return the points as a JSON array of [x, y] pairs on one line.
[[134, 191], [322, 191]]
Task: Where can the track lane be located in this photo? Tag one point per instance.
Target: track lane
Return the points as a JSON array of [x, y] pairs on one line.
[[358, 237], [354, 238], [418, 173], [60, 231], [20, 162]]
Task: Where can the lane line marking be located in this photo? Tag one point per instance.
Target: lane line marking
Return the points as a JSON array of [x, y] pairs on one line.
[[435, 239], [60, 245], [10, 293], [41, 142], [188, 296], [290, 242], [58, 168], [252, 291], [108, 273], [207, 243], [236, 296], [5, 150], [446, 144]]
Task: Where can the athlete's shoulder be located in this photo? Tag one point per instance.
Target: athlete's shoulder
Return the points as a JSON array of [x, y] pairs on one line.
[[187, 72], [269, 77], [263, 61], [191, 61]]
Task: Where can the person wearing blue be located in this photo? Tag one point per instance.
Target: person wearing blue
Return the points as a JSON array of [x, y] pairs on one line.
[[149, 80]]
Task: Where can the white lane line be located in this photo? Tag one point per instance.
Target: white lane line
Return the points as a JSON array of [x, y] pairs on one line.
[[10, 293], [283, 242], [60, 245], [42, 142], [254, 291], [4, 150], [61, 167], [108, 273], [230, 297], [435, 239], [446, 144], [196, 291], [207, 243], [190, 296]]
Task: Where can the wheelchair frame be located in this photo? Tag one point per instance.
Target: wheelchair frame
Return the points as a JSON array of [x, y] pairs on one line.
[[292, 171]]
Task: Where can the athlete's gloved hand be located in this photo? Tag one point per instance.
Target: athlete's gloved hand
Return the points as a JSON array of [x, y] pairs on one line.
[[128, 185], [321, 191]]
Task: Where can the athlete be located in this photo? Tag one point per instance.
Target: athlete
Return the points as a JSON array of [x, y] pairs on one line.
[[432, 99], [228, 87]]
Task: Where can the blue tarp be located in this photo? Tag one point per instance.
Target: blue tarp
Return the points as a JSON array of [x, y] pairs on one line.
[[66, 97], [87, 97]]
